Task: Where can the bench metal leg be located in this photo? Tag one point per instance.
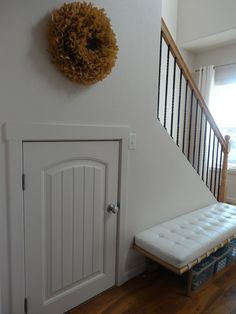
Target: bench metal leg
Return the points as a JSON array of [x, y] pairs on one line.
[[189, 283]]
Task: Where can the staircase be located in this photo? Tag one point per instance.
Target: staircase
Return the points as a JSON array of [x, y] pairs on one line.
[[184, 114]]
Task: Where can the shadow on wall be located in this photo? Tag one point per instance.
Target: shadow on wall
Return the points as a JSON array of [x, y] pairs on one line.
[[40, 58]]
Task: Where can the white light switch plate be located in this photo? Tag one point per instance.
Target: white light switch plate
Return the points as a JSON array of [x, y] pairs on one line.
[[132, 141]]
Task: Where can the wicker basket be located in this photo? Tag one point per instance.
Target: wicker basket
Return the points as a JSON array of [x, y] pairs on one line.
[[202, 272], [231, 256], [220, 264]]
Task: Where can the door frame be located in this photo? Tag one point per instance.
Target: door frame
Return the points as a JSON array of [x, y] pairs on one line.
[[15, 134]]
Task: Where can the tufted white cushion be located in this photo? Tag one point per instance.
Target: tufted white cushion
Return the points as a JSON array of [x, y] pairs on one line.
[[183, 239]]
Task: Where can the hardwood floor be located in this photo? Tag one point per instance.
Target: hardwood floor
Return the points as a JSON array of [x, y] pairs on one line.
[[162, 293]]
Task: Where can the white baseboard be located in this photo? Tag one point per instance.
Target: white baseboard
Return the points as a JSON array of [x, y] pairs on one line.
[[231, 200], [134, 272]]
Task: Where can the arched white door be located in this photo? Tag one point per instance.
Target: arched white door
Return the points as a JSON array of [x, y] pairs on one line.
[[70, 237]]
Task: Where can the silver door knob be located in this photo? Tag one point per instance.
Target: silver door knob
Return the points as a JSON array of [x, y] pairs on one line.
[[113, 209]]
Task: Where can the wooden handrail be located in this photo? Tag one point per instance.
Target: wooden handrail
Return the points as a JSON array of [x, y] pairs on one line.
[[186, 73]]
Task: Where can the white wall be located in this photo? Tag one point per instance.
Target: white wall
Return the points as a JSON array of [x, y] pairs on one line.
[[161, 183], [189, 58], [199, 19], [231, 193], [217, 56], [169, 13]]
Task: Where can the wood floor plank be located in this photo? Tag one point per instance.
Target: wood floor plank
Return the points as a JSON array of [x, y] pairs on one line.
[[162, 293]]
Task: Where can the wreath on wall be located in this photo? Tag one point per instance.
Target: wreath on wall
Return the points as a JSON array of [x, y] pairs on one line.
[[82, 43]]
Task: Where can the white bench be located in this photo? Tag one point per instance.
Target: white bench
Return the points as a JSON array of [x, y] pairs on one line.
[[183, 242]]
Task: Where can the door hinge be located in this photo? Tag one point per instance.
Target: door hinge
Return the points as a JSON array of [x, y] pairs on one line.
[[23, 182], [26, 305]]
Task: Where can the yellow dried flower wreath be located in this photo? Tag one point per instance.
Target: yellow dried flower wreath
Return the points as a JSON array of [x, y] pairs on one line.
[[82, 43]]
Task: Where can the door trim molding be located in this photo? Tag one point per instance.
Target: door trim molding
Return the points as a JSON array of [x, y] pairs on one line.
[[17, 133]]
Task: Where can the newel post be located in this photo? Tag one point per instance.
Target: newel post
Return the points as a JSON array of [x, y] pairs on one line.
[[223, 186]]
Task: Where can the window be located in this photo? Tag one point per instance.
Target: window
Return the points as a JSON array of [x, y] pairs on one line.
[[223, 109]]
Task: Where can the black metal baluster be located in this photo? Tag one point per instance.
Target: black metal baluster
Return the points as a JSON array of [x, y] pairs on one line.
[[203, 159], [185, 115], [204, 150], [200, 144], [208, 156], [173, 100], [216, 170], [220, 170], [212, 163], [190, 125], [195, 133], [166, 91], [159, 80], [179, 107]]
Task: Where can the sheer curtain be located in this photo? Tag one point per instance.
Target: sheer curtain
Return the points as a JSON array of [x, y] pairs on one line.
[[223, 105], [206, 82]]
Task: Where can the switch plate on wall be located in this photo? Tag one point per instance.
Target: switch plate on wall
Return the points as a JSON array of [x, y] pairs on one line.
[[132, 141]]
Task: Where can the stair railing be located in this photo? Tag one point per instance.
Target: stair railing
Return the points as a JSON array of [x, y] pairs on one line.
[[184, 114]]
